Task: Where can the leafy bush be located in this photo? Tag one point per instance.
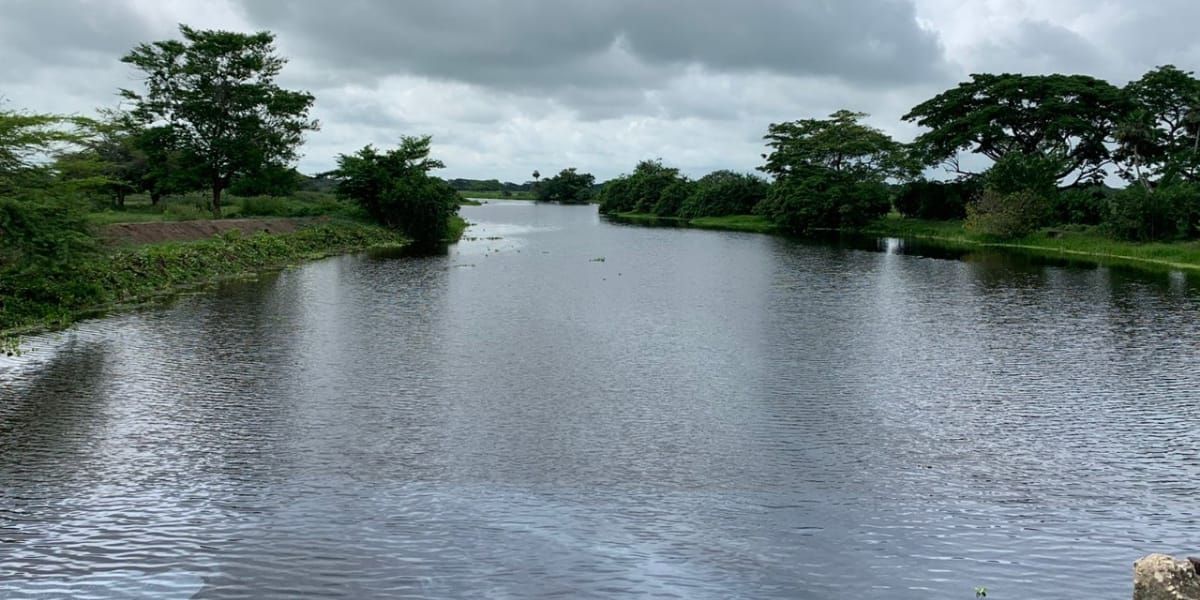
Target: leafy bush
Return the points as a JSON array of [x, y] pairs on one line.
[[824, 201], [1168, 212], [673, 198], [396, 190], [617, 195], [568, 187], [724, 193], [639, 191], [1080, 206], [1005, 216], [44, 245], [936, 200]]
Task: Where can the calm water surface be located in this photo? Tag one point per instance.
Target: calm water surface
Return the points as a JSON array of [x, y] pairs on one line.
[[699, 415]]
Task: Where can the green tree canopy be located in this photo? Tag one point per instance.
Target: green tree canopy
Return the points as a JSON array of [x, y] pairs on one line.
[[831, 172], [217, 91], [1160, 137], [568, 187], [396, 189], [1067, 117]]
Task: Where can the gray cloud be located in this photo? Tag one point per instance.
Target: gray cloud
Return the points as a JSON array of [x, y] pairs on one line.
[[523, 44]]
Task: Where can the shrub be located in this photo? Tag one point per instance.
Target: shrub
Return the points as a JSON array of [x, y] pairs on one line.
[[1168, 212], [1080, 206], [673, 198], [824, 201], [724, 193], [1006, 216]]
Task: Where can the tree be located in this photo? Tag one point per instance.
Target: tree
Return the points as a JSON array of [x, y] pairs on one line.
[[568, 187], [831, 173], [395, 188], [1160, 136], [24, 137], [217, 91], [639, 191], [1070, 118]]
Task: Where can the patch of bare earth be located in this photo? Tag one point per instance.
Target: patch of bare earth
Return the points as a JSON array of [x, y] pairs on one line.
[[187, 231]]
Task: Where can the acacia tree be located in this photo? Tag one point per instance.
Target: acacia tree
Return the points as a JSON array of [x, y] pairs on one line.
[[217, 92], [1069, 118]]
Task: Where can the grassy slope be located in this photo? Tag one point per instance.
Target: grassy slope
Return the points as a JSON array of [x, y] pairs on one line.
[[130, 275]]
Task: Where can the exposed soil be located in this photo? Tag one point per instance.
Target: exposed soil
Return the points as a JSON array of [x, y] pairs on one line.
[[186, 231]]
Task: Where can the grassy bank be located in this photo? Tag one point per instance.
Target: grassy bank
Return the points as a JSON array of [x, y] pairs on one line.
[[193, 207], [747, 223], [1085, 243], [133, 275]]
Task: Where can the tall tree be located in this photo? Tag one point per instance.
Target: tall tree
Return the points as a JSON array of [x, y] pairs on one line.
[[1160, 137], [831, 173], [1070, 118], [217, 91]]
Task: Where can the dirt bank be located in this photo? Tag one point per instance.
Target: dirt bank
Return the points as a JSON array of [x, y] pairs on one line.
[[186, 231]]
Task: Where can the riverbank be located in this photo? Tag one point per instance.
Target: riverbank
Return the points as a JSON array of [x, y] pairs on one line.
[[131, 274], [1084, 244]]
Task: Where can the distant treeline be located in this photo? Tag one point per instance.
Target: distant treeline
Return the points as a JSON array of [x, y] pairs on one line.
[[1050, 143]]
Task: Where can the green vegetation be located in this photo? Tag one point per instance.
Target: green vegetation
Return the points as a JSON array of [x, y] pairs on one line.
[[519, 195], [395, 188], [81, 281], [216, 92], [568, 187], [210, 119]]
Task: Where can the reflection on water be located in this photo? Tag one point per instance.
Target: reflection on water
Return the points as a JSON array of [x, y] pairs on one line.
[[699, 415]]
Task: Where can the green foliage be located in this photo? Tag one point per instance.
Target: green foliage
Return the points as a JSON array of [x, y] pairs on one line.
[[1160, 135], [300, 204], [1141, 213], [673, 198], [45, 244], [24, 137], [1068, 117], [831, 173], [936, 200], [568, 187], [268, 180], [825, 200], [722, 193], [639, 191], [217, 92], [1005, 216], [1085, 205], [396, 190]]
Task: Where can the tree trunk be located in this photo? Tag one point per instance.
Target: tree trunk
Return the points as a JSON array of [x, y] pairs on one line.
[[154, 198], [216, 199], [120, 200]]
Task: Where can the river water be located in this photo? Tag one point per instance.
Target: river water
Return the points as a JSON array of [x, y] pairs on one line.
[[566, 407]]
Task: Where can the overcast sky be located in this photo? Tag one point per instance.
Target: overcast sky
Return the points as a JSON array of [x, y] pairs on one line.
[[509, 86]]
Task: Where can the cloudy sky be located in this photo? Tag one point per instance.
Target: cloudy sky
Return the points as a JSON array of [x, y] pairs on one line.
[[509, 86]]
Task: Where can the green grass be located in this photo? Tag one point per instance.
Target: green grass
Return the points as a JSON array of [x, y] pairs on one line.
[[1081, 243], [496, 195], [193, 207], [456, 228], [748, 223], [468, 202]]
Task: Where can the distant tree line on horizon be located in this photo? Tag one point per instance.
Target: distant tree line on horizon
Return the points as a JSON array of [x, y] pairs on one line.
[[1051, 142]]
